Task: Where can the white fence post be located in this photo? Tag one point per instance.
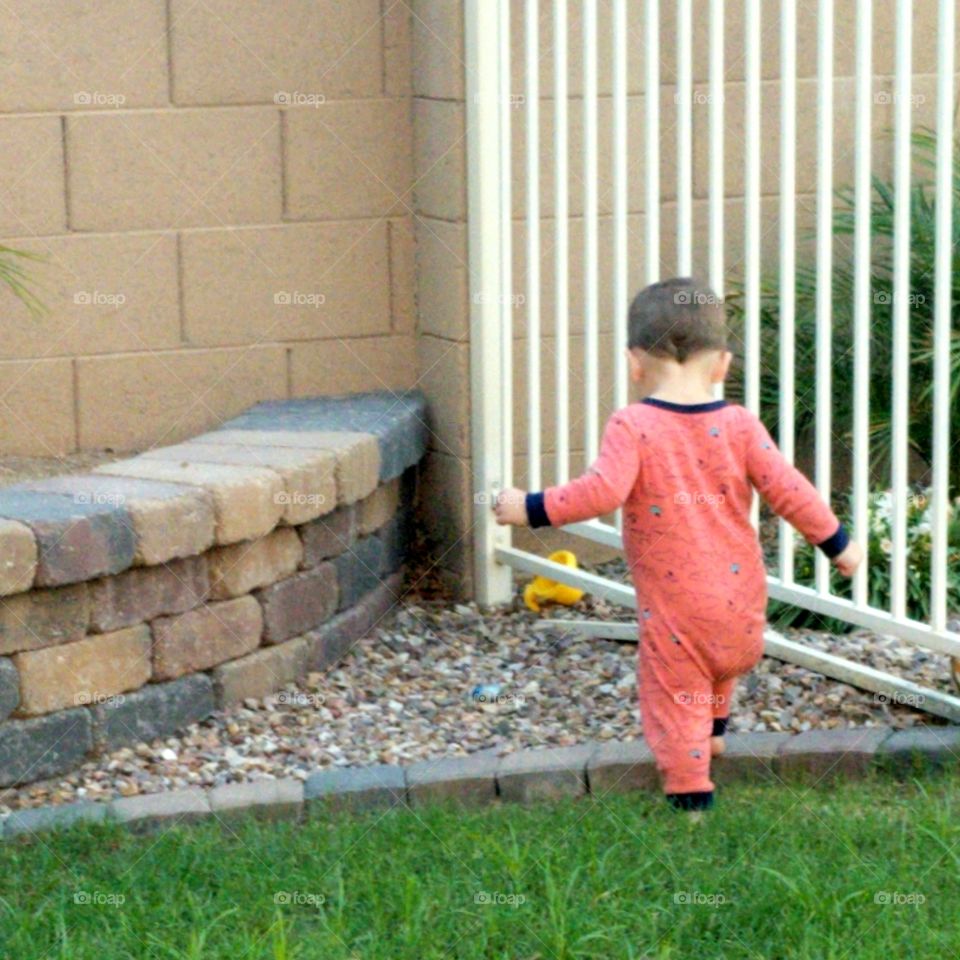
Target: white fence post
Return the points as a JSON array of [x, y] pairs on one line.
[[488, 220]]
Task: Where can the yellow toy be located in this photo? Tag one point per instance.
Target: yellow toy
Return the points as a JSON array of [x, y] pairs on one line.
[[545, 590]]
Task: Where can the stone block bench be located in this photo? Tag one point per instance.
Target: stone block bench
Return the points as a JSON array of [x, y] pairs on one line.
[[140, 597]]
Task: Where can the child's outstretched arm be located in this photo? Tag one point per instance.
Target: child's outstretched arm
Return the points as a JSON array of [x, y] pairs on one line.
[[604, 486], [792, 496]]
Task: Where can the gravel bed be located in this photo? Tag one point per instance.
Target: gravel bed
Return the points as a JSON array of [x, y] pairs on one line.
[[407, 693]]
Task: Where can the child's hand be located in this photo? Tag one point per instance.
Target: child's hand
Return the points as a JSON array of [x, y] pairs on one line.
[[510, 506], [849, 559]]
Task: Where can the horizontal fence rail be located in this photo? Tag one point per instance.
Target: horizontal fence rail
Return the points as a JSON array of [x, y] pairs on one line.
[[648, 151]]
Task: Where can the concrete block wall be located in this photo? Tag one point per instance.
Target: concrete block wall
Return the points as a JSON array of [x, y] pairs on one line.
[[141, 597], [222, 195]]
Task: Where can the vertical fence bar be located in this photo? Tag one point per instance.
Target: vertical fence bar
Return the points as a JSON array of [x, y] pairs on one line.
[[532, 72], [824, 304], [621, 266], [506, 298], [901, 307], [562, 244], [716, 147], [716, 173], [751, 207], [684, 101], [942, 315], [488, 370], [862, 293], [591, 245], [652, 118], [788, 257]]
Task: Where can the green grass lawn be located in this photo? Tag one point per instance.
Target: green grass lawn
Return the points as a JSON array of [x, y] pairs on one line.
[[860, 871]]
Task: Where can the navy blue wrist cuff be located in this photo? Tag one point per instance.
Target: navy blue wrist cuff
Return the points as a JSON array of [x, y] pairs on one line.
[[536, 512], [835, 545]]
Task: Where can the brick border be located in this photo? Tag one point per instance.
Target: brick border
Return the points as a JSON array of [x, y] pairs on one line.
[[591, 769]]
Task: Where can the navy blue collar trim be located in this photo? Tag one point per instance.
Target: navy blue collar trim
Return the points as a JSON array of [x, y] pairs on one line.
[[685, 407]]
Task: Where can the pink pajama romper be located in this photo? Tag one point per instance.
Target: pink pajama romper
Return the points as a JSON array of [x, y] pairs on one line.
[[684, 474]]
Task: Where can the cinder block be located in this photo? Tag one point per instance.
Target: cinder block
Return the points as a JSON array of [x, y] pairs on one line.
[[82, 673], [242, 567], [749, 757], [161, 811], [38, 416], [75, 541], [58, 817], [352, 366], [246, 500], [319, 48], [468, 780], [357, 789], [438, 37], [376, 509], [440, 159], [175, 394], [157, 710], [44, 747], [18, 557], [446, 368], [129, 171], [309, 485], [443, 294], [544, 774], [44, 618], [398, 51], [403, 276], [34, 204], [622, 767], [260, 673], [146, 592], [63, 56], [169, 520], [322, 148], [359, 570], [104, 293], [241, 286], [9, 688], [206, 637], [299, 603], [329, 536], [264, 799], [825, 755]]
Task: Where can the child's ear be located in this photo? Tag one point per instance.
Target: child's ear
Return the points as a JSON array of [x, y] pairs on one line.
[[636, 368], [721, 367]]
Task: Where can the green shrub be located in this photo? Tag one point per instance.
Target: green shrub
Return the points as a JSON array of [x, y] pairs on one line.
[[15, 278]]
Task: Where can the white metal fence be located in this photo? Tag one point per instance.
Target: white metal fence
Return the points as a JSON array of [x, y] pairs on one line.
[[492, 59]]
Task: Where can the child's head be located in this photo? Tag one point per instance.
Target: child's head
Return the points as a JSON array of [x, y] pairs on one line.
[[678, 323]]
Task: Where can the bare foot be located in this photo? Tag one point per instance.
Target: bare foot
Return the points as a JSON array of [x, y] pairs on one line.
[[717, 746]]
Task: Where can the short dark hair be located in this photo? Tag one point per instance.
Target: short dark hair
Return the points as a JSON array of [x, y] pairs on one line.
[[677, 318]]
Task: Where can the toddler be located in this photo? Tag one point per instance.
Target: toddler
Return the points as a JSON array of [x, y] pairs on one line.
[[683, 466]]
